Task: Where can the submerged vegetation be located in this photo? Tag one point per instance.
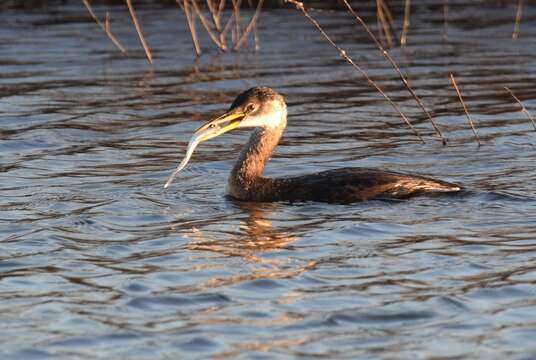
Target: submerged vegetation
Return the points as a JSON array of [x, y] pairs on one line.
[[229, 30]]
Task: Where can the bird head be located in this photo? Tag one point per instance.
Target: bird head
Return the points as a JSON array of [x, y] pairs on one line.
[[256, 107]]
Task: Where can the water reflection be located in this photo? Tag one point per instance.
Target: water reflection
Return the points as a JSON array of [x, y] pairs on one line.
[[253, 236]]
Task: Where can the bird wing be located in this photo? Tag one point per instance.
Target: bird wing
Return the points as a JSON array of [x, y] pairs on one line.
[[356, 184]]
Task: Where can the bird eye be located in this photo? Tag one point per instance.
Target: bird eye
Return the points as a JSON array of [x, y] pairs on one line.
[[250, 108]]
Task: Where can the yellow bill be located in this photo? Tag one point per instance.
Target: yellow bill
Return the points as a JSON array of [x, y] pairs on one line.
[[216, 127]]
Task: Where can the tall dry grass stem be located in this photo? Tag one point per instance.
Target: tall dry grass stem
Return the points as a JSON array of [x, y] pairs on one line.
[[255, 32], [215, 12], [385, 22], [519, 15], [523, 108], [217, 27], [217, 40], [388, 56], [249, 27], [190, 20], [405, 25], [236, 11], [138, 30], [104, 26], [465, 109], [299, 6]]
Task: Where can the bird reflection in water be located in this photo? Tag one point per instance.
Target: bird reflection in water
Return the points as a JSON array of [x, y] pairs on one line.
[[255, 234]]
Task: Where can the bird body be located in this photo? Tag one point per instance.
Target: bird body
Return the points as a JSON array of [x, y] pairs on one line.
[[265, 110], [343, 185]]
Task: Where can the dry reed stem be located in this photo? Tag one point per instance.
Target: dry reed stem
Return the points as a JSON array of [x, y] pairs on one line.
[[236, 13], [388, 56], [207, 27], [255, 34], [382, 35], [214, 23], [250, 26], [105, 27], [405, 26], [385, 22], [299, 6], [465, 108], [256, 39], [389, 14], [190, 20], [222, 6], [138, 30], [379, 19], [519, 15], [228, 24], [107, 22], [229, 20], [215, 13], [523, 108], [389, 17]]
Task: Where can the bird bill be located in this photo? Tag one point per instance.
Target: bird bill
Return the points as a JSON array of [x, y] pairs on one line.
[[216, 127]]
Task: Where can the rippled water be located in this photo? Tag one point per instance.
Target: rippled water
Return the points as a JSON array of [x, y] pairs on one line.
[[98, 261]]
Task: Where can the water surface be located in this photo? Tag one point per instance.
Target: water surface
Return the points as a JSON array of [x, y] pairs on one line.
[[99, 261]]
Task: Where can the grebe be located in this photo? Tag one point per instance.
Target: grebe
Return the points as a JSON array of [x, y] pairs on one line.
[[264, 110]]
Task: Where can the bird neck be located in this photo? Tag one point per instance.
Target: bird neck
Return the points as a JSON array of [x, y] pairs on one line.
[[246, 175]]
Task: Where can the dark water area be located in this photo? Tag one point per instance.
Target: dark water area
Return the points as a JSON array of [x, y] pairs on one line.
[[98, 261]]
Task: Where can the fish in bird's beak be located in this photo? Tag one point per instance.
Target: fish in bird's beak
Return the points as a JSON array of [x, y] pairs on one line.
[[227, 122]]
